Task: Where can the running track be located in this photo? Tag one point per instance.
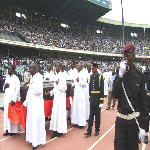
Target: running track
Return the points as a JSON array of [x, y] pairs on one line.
[[73, 140]]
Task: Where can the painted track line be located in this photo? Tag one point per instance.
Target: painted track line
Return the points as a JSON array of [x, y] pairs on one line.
[[45, 123], [101, 138], [103, 110], [3, 139], [10, 136], [67, 131]]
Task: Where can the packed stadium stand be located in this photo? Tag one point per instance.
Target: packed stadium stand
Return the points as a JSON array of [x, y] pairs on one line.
[[66, 38], [43, 26], [84, 35]]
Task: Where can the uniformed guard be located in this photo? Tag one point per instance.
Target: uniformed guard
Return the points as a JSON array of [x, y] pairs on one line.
[[146, 71], [96, 97], [132, 120]]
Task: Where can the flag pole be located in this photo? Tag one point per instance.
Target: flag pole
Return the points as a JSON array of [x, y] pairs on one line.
[[122, 25]]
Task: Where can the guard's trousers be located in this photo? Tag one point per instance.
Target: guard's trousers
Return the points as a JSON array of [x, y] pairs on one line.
[[94, 111], [126, 135]]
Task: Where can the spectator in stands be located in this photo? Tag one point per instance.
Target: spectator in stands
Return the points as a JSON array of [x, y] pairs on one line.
[[64, 38]]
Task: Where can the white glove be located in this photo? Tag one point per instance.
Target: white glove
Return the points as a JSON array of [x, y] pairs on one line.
[[101, 105], [25, 103], [122, 69], [51, 93], [70, 98], [142, 133]]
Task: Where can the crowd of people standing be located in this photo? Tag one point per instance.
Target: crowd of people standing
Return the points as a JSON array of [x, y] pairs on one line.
[[66, 38]]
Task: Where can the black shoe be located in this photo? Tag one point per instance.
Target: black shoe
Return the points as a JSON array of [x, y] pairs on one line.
[[80, 127], [6, 133], [146, 139], [33, 148], [59, 134], [87, 134], [54, 134], [107, 108], [96, 133], [46, 118], [12, 134], [113, 108], [2, 108], [75, 125]]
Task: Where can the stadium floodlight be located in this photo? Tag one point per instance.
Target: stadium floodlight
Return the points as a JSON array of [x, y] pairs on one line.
[[18, 15], [134, 34], [64, 25], [24, 16], [98, 31]]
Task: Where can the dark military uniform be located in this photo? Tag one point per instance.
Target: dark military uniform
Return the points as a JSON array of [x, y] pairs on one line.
[[96, 93], [126, 130], [147, 86]]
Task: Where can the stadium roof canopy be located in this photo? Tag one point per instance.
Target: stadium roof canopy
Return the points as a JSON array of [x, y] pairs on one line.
[[118, 23], [73, 10]]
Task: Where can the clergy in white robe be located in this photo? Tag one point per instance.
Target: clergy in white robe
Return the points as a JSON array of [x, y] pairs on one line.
[[65, 72], [49, 74], [72, 73], [87, 106], [106, 79], [58, 123], [70, 87], [87, 103], [78, 112], [35, 124], [11, 95]]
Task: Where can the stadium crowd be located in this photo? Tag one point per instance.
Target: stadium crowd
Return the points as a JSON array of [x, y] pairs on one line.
[[22, 63], [66, 38]]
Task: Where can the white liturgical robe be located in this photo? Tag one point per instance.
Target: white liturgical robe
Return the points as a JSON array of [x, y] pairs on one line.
[[11, 94], [78, 112], [58, 118], [35, 124]]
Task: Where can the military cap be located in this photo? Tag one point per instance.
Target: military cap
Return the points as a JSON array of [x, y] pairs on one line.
[[95, 64], [127, 48]]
